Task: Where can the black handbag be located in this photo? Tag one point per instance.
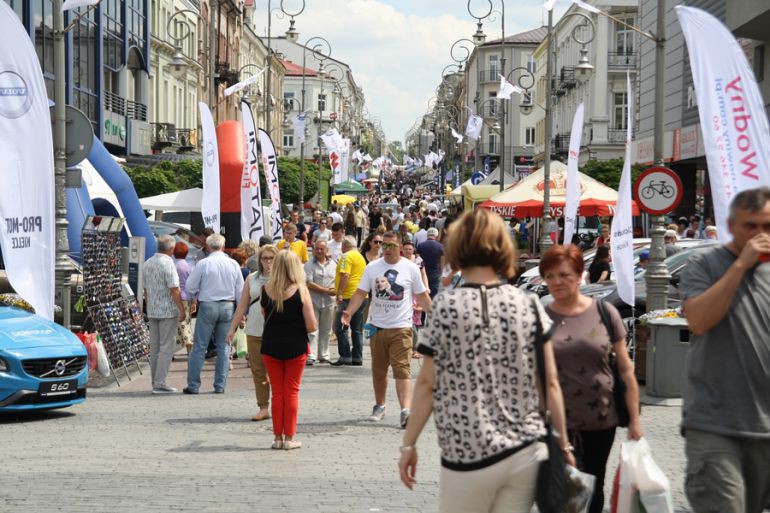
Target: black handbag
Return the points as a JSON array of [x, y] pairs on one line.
[[619, 387], [551, 493]]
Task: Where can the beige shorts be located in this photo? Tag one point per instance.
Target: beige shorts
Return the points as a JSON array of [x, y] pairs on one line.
[[392, 347]]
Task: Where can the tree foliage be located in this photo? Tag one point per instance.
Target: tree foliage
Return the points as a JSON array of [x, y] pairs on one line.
[[288, 177], [608, 171], [396, 151]]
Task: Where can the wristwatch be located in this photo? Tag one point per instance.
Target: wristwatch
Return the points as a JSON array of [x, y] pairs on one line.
[[407, 448], [568, 449]]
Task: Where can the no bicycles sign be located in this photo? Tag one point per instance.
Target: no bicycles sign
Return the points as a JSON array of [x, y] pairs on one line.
[[658, 190]]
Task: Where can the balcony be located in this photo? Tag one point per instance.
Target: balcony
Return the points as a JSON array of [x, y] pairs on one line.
[[622, 60], [165, 135], [489, 111], [616, 136], [223, 74], [489, 75], [567, 78], [489, 149], [128, 108]]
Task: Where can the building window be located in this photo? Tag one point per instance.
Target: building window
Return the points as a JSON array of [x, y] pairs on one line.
[[322, 102], [18, 8], [759, 62], [288, 140], [112, 16], [531, 64], [529, 136], [620, 111], [492, 143], [135, 18], [624, 36]]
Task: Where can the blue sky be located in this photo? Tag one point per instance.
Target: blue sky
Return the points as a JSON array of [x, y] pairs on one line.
[[397, 48]]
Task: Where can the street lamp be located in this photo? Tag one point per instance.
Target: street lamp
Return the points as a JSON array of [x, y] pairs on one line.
[[479, 38], [179, 62], [270, 52], [585, 70], [249, 93], [321, 50]]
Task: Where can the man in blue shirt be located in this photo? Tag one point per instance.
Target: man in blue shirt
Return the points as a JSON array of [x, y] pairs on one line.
[[216, 281], [432, 253]]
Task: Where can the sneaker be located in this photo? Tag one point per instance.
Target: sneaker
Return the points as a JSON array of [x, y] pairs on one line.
[[219, 390], [378, 412], [164, 389], [340, 363], [309, 362], [404, 418], [188, 390], [324, 360], [292, 444], [357, 364]]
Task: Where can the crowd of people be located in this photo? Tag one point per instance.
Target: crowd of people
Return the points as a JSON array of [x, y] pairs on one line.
[[419, 281]]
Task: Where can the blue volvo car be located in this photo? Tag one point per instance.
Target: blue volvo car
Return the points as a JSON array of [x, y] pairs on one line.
[[42, 364]]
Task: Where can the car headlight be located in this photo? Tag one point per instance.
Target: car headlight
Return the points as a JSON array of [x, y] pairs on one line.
[[3, 366]]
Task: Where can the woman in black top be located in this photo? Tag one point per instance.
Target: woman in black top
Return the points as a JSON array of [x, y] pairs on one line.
[[599, 270], [289, 317]]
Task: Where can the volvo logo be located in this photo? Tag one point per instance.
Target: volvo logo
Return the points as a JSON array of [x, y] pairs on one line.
[[210, 153], [15, 98], [60, 367]]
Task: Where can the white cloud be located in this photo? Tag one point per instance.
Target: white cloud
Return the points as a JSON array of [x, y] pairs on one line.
[[397, 48]]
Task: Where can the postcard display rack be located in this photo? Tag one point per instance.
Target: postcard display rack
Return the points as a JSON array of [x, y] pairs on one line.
[[117, 318]]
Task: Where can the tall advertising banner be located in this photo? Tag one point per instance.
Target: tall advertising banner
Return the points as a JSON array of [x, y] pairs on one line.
[[733, 122], [252, 220], [270, 165], [211, 201], [335, 163], [27, 219], [622, 229], [573, 182], [345, 166]]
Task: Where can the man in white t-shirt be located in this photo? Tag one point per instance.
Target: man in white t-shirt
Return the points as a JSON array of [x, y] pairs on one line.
[[393, 283], [334, 249]]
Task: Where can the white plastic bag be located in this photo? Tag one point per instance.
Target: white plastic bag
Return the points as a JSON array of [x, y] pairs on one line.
[[103, 363], [580, 488], [640, 484]]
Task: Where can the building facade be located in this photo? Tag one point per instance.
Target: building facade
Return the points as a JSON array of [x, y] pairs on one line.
[[107, 66]]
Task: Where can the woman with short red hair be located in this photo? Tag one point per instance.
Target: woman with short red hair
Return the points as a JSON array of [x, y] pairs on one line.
[[183, 269], [582, 346]]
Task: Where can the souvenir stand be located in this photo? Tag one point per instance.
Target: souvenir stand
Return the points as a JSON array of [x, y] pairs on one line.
[[115, 312]]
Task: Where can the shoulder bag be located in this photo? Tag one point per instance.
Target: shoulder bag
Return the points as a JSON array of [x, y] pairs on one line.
[[551, 493], [619, 386]]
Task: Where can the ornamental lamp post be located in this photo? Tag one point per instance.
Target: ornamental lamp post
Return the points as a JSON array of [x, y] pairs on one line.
[[281, 14], [179, 63]]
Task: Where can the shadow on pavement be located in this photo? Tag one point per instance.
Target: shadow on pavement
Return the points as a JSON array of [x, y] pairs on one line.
[[34, 416]]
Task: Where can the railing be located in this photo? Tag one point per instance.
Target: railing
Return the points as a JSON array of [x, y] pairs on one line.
[[489, 149], [489, 75], [616, 136], [622, 60], [119, 105], [166, 134], [489, 111]]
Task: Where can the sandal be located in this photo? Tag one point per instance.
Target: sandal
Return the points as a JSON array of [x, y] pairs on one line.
[[277, 445]]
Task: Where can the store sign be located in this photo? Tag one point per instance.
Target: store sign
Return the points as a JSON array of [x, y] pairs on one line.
[[140, 142], [114, 129], [688, 142]]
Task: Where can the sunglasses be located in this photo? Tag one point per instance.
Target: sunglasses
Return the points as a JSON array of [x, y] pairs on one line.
[[390, 245], [376, 242]]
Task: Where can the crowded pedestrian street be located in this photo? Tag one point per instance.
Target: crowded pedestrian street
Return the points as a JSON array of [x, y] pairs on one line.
[[125, 450]]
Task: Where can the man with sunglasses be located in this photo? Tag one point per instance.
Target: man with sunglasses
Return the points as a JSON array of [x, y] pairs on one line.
[[392, 283]]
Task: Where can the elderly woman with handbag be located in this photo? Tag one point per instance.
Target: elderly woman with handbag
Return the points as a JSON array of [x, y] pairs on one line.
[[479, 379], [586, 335]]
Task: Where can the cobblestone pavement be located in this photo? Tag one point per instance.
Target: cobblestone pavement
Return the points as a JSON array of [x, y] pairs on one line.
[[127, 450]]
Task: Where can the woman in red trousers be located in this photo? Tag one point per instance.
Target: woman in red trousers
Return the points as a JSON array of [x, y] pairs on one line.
[[289, 316]]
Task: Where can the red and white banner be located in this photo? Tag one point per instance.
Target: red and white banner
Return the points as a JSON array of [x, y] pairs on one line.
[[335, 163], [210, 203], [733, 121], [573, 182], [26, 168], [252, 219], [270, 164], [622, 228]]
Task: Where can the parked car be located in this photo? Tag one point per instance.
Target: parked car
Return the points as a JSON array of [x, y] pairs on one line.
[[42, 364]]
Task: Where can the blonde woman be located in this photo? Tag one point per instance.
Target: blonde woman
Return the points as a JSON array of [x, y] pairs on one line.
[[289, 316], [249, 305]]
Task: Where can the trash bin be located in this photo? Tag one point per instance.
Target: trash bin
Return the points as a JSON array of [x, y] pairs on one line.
[[666, 352]]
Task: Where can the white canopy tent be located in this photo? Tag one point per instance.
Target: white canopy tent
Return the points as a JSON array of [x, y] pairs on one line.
[[188, 200]]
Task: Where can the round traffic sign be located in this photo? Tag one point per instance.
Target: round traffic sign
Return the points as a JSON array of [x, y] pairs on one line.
[[333, 116], [658, 190], [477, 177]]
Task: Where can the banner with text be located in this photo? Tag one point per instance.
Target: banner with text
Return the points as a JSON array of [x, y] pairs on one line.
[[252, 219], [210, 203], [573, 182], [270, 164], [733, 121], [27, 219], [622, 228]]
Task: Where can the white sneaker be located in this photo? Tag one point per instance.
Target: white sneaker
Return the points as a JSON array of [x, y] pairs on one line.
[[378, 413], [164, 389]]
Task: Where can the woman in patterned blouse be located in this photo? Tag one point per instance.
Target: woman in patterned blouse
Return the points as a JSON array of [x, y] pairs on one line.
[[479, 380]]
